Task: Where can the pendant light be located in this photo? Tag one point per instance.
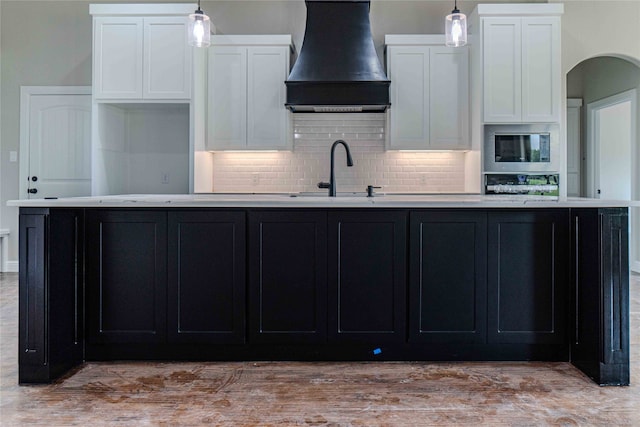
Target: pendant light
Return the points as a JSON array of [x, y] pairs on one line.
[[456, 28], [199, 28]]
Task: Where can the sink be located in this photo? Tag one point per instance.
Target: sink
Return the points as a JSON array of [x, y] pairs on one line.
[[324, 195]]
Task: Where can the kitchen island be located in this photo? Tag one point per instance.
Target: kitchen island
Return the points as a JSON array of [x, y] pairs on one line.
[[309, 277]]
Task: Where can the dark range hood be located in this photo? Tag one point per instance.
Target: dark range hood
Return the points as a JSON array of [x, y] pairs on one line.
[[338, 69]]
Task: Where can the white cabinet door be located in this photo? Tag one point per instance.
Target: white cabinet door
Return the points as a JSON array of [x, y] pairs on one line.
[[502, 70], [117, 57], [408, 70], [541, 69], [167, 58], [227, 100], [449, 98], [268, 68]]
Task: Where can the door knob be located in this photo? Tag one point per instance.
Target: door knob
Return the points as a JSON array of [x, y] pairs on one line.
[[33, 190], [34, 178]]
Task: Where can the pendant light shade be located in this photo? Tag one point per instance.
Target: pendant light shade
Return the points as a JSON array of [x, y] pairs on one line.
[[199, 28], [456, 28]]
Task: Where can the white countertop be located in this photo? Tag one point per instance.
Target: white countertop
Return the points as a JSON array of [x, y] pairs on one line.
[[320, 200]]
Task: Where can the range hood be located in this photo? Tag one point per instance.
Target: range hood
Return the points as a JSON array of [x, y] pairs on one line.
[[338, 69]]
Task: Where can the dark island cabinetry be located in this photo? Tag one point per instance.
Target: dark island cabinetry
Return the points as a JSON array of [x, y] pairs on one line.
[[126, 279], [448, 278], [154, 277], [206, 283], [318, 277], [287, 276], [324, 284], [50, 293], [367, 277], [600, 294], [528, 276]]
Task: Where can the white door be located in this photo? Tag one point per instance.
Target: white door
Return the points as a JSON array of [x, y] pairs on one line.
[[610, 134], [613, 168], [55, 142]]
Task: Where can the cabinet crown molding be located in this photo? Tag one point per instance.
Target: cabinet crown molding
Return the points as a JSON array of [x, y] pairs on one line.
[[524, 9], [414, 39], [146, 9], [251, 40]]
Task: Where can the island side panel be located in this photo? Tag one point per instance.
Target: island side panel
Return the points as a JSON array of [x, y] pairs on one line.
[[50, 293], [600, 339]]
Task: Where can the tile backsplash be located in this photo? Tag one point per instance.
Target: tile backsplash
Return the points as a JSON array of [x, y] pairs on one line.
[[309, 162]]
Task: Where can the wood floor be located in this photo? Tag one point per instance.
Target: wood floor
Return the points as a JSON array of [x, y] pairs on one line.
[[345, 394]]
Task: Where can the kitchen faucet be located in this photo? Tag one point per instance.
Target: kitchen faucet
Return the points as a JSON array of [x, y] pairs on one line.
[[331, 185]]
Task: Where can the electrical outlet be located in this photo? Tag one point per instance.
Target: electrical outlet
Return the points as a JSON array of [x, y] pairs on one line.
[[164, 178], [255, 178], [423, 178], [13, 156]]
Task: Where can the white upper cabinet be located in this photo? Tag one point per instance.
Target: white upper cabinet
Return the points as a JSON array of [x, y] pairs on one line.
[[247, 93], [429, 94], [521, 69], [141, 57]]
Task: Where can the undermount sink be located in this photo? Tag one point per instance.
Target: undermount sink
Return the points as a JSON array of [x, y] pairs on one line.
[[324, 194]]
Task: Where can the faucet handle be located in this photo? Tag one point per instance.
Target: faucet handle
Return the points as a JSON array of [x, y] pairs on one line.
[[324, 185], [370, 190]]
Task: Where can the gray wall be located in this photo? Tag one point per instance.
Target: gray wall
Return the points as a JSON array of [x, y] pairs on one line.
[[42, 44]]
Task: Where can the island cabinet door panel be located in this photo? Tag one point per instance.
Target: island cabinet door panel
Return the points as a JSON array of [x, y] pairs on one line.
[[528, 276], [126, 278], [447, 282], [206, 299], [367, 276], [287, 276]]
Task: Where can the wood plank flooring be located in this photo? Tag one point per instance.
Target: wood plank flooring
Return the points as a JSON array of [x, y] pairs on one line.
[[318, 394]]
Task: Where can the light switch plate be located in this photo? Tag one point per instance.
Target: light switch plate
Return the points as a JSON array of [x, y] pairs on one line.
[[13, 156]]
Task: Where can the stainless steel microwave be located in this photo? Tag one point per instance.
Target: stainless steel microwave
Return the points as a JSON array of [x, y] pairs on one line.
[[522, 148]]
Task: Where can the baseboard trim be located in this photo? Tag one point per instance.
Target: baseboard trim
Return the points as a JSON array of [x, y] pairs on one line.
[[11, 267]]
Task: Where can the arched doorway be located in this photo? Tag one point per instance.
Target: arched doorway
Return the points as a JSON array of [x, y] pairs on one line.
[[609, 90]]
